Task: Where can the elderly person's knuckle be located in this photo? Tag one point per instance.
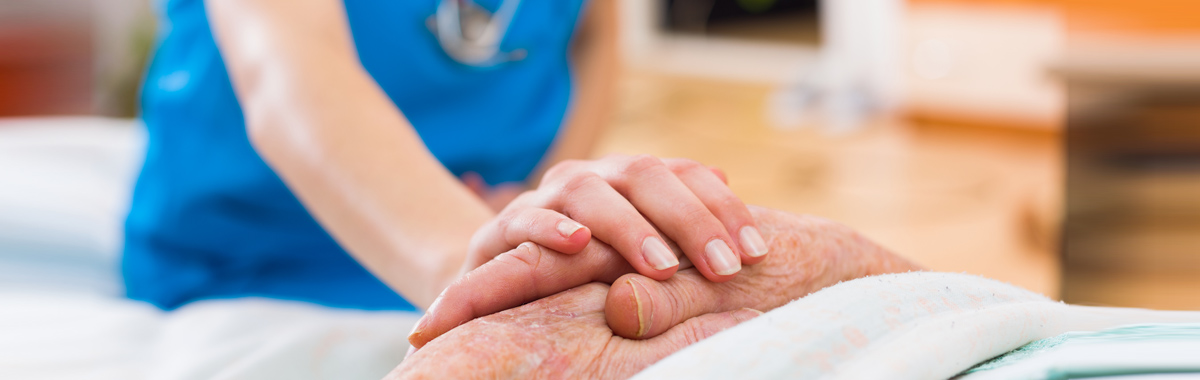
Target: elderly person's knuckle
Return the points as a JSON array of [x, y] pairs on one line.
[[529, 254], [678, 301]]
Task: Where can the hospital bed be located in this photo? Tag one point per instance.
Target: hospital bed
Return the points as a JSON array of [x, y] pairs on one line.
[[64, 188]]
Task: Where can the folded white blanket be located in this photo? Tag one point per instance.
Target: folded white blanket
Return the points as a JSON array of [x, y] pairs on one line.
[[918, 325]]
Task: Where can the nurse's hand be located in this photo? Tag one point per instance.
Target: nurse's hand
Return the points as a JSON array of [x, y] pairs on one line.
[[635, 204]]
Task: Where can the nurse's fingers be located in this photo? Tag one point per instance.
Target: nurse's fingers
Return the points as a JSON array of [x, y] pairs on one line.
[[720, 174], [723, 204], [674, 208], [590, 199], [514, 226], [525, 274]]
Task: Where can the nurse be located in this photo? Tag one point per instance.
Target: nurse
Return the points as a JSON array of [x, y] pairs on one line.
[[317, 151]]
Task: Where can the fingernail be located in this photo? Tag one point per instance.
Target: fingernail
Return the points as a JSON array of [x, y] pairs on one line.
[[411, 350], [643, 320], [568, 227], [420, 325], [752, 242], [414, 334], [658, 254], [746, 314], [721, 259]]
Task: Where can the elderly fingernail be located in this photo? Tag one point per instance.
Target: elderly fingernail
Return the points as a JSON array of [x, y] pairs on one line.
[[568, 227], [643, 319], [658, 254], [415, 334], [752, 242], [745, 314], [721, 258]]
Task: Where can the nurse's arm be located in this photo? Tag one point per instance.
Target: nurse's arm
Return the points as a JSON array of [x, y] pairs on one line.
[[594, 63], [327, 128]]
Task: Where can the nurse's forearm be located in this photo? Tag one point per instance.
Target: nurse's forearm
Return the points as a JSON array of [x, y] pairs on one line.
[[595, 64], [323, 124]]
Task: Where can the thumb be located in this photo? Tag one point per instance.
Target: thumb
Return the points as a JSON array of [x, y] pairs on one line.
[[639, 307]]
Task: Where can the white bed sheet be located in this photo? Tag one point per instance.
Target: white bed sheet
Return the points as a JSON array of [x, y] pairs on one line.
[[64, 190], [73, 335]]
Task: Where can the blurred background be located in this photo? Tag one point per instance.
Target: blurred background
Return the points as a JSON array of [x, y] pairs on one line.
[[1053, 144]]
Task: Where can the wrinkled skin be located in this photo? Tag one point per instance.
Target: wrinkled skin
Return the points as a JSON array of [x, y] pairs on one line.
[[563, 336], [578, 333], [808, 254]]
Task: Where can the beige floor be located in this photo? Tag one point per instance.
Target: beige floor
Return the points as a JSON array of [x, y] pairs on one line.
[[959, 199]]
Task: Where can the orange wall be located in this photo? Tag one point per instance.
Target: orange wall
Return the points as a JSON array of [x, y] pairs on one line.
[[1157, 17]]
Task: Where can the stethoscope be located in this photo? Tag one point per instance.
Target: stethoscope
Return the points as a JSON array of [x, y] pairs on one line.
[[471, 35]]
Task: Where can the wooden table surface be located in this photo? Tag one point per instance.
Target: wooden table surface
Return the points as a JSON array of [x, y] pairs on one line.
[[953, 198]]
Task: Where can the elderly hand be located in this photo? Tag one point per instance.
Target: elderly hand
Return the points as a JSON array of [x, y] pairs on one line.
[[810, 254], [562, 336]]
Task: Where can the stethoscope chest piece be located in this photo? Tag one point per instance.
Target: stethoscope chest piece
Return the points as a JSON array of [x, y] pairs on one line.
[[471, 35]]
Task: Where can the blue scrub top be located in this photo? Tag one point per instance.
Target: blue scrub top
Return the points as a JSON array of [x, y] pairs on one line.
[[210, 219]]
